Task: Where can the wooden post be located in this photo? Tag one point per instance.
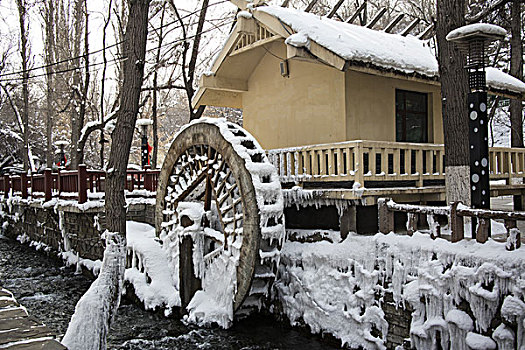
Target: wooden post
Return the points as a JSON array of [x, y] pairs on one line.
[[23, 185], [386, 217], [82, 183], [188, 281], [456, 224], [348, 221], [412, 223], [482, 233], [48, 184], [148, 178], [7, 185]]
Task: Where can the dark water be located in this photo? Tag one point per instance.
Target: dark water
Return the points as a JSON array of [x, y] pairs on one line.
[[50, 291]]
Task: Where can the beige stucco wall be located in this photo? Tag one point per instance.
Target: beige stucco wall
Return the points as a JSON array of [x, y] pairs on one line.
[[370, 106], [308, 107]]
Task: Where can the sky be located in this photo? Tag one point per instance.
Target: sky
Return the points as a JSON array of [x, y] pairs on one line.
[[10, 32]]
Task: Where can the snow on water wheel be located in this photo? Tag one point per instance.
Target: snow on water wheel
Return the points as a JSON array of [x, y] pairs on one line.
[[220, 215]]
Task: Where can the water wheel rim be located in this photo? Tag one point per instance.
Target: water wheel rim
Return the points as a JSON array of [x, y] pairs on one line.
[[210, 134]]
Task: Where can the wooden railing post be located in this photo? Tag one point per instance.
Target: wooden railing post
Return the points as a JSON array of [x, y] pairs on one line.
[[412, 219], [359, 164], [82, 183], [386, 217], [456, 224], [48, 184], [7, 185], [23, 185], [148, 178], [482, 233]]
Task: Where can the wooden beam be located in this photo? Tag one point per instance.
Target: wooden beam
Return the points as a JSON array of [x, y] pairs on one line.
[[241, 4], [327, 56], [310, 6], [376, 18], [393, 23], [335, 8], [285, 3], [300, 53], [427, 31], [222, 83], [356, 13], [409, 28]]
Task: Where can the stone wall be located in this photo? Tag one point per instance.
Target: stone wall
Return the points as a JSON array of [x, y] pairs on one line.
[[65, 228]]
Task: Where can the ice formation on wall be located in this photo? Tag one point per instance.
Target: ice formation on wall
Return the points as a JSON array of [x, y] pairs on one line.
[[455, 289]]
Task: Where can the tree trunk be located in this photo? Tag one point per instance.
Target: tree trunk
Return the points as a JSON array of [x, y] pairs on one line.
[[155, 91], [516, 70], [49, 18], [85, 88], [100, 303], [454, 89], [77, 88], [22, 13], [135, 51]]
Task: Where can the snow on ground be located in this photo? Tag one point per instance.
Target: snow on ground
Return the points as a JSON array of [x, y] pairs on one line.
[[332, 288]]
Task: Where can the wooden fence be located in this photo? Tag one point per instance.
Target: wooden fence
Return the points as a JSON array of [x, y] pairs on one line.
[[381, 161], [73, 184], [455, 214]]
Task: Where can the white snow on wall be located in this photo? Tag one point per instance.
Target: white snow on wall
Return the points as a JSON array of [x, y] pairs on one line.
[[330, 288]]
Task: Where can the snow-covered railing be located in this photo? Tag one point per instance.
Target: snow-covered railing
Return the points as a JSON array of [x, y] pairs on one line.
[[455, 214], [361, 161], [74, 184]]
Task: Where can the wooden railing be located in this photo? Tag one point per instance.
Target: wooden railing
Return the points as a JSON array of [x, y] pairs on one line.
[[361, 161], [455, 214], [75, 184]]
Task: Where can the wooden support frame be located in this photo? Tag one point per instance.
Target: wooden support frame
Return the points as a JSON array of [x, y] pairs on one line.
[[393, 23], [410, 26], [376, 18], [356, 13]]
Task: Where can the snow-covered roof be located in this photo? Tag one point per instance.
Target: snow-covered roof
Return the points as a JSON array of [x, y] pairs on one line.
[[502, 81], [477, 29], [359, 44]]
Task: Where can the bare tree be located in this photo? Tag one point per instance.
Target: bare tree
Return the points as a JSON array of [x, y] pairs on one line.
[[516, 70], [451, 15], [48, 15], [102, 299], [188, 68], [24, 53]]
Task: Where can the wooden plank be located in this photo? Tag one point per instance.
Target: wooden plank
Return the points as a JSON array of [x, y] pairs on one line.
[[47, 344], [335, 8], [24, 334], [393, 23], [409, 28], [13, 313], [4, 303], [376, 18], [356, 13], [16, 323]]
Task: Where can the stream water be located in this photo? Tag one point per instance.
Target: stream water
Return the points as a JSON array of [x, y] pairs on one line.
[[50, 292]]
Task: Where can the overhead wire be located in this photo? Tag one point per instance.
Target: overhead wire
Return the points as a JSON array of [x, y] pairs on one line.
[[120, 59], [69, 59]]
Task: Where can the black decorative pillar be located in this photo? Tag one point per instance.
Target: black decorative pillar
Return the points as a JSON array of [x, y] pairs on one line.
[[473, 40]]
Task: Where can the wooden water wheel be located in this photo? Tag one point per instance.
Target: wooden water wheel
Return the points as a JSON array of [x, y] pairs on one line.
[[220, 208]]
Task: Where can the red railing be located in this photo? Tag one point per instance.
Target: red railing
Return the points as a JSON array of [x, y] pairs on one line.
[[74, 183]]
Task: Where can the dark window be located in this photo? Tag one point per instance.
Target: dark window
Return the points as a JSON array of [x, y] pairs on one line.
[[411, 116]]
